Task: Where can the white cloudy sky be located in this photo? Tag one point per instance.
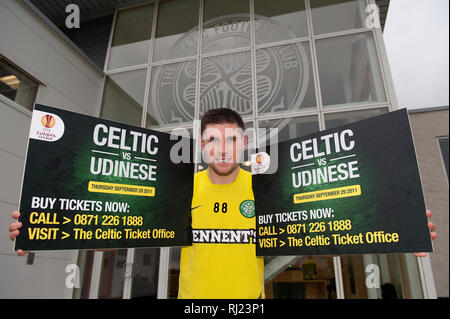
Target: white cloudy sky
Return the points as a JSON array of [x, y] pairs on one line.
[[416, 36]]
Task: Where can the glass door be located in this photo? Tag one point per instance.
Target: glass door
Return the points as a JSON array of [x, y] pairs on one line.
[[383, 276], [300, 277], [111, 276], [126, 273], [143, 280]]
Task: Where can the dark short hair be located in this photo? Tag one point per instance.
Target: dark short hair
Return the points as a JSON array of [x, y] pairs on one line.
[[220, 116]]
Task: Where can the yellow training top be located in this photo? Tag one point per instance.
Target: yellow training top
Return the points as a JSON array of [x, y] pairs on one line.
[[222, 262]]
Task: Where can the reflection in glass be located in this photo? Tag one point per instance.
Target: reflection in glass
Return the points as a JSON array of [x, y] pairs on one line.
[[280, 20], [349, 70], [354, 277], [174, 272], [386, 276], [343, 118], [131, 40], [337, 15], [226, 25], [145, 273], [111, 277], [175, 19], [226, 82], [85, 263], [123, 97], [284, 79], [310, 277], [288, 128], [172, 94]]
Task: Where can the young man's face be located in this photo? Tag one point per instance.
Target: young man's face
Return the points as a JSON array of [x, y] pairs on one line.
[[223, 146]]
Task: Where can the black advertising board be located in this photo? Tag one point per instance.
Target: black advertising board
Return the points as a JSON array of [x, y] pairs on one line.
[[353, 189], [91, 183]]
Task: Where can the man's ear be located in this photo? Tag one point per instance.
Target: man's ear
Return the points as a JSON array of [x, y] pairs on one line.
[[245, 141], [202, 145]]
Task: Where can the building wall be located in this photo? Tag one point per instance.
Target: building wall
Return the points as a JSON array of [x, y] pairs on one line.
[[68, 82], [427, 127], [71, 83]]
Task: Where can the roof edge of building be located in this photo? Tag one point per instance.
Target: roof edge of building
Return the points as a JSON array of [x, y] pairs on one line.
[[428, 109]]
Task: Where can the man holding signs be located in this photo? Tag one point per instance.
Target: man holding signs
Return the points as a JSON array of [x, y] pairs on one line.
[[222, 262]]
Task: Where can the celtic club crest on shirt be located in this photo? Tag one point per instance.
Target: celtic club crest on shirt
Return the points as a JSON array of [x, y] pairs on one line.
[[247, 208]]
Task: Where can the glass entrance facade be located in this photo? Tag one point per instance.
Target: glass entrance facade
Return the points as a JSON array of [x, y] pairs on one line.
[[298, 65]]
